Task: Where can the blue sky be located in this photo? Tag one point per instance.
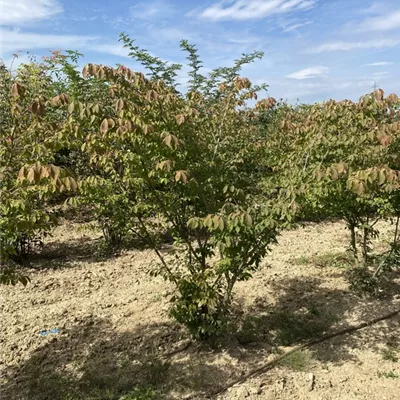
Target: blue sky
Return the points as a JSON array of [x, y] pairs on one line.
[[314, 49]]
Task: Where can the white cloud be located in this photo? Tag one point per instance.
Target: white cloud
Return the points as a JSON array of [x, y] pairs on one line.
[[253, 9], [374, 8], [381, 74], [385, 22], [347, 46], [379, 64], [13, 41], [173, 34], [149, 10], [22, 11], [308, 73], [295, 26], [115, 50]]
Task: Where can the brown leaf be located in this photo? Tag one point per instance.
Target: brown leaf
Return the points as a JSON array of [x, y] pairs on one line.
[[85, 71], [55, 100], [31, 175], [393, 98], [104, 126], [379, 94], [54, 172], [16, 90], [181, 175], [21, 174], [167, 140], [180, 119]]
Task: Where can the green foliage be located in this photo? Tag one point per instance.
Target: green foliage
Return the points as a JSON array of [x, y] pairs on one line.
[[363, 281], [341, 160], [220, 176], [297, 361], [306, 324], [388, 375], [336, 260], [139, 394], [9, 276], [159, 160], [29, 179], [390, 354]]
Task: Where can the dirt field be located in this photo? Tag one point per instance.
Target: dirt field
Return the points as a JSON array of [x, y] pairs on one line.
[[115, 333]]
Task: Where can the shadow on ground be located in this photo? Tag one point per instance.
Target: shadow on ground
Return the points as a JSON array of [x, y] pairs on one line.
[[306, 310], [65, 254], [94, 361]]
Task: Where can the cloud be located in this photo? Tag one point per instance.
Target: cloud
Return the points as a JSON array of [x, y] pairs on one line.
[[348, 46], [115, 50], [295, 26], [253, 9], [150, 10], [381, 23], [381, 74], [308, 73], [374, 8], [13, 41], [16, 12], [379, 64]]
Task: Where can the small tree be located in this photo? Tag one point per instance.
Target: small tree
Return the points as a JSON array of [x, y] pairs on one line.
[[341, 152], [185, 162], [29, 137]]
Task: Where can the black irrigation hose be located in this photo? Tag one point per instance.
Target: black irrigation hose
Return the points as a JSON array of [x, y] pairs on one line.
[[271, 364]]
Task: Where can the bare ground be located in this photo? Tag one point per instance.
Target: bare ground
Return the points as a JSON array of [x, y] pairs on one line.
[[115, 333]]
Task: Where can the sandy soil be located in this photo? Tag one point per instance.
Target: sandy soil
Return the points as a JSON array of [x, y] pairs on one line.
[[115, 333]]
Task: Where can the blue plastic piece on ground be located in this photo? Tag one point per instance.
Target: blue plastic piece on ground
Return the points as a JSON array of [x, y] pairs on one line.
[[45, 333]]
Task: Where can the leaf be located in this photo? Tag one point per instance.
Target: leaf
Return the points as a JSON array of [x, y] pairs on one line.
[[17, 90], [55, 100], [44, 172], [21, 174], [334, 173], [31, 175], [360, 189], [119, 104], [208, 220], [71, 108], [180, 119], [181, 175], [85, 71], [167, 140], [104, 126], [73, 185], [248, 220], [379, 94], [193, 223], [393, 98], [111, 123], [382, 176], [171, 140], [166, 164], [54, 172]]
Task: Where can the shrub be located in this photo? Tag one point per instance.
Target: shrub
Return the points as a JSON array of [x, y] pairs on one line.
[[183, 162], [29, 138]]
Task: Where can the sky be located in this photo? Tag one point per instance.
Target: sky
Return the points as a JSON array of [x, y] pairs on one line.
[[314, 50]]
